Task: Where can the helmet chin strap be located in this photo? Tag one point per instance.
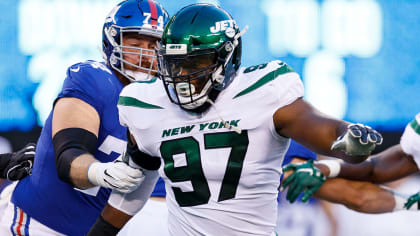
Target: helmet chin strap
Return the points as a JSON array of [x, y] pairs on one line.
[[184, 95], [225, 124], [137, 76], [238, 35], [218, 75]]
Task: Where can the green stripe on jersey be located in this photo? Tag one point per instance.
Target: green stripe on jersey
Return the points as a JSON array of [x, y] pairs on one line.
[[146, 81], [267, 78], [132, 102], [415, 126]]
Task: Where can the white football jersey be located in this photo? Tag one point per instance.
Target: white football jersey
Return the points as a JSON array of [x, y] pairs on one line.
[[410, 140], [218, 182]]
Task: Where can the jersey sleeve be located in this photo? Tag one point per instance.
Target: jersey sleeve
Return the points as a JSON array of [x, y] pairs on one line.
[[131, 203], [298, 150], [87, 83], [288, 84], [123, 110], [410, 139]]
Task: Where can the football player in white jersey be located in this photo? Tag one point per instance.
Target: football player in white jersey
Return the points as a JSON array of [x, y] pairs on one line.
[[221, 130], [394, 163]]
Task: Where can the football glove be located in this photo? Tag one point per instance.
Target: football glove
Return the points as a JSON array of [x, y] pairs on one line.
[[415, 198], [19, 164], [358, 140], [306, 178], [116, 175]]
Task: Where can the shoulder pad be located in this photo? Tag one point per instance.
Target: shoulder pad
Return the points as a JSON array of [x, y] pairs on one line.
[[90, 67], [263, 69]]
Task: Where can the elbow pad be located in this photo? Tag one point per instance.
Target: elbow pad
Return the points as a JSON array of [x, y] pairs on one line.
[[68, 145]]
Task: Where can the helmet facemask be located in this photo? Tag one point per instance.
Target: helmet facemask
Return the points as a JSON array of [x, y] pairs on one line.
[[189, 78], [147, 66], [143, 20]]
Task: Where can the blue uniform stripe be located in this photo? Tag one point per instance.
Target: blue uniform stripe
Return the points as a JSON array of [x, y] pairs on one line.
[[28, 221], [14, 221], [146, 8]]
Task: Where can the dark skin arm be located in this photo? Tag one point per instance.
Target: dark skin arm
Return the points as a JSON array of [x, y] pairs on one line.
[[302, 122], [112, 215], [115, 217], [357, 195], [388, 165]]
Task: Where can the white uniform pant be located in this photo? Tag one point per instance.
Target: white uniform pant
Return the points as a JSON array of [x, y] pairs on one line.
[[151, 220], [15, 222]]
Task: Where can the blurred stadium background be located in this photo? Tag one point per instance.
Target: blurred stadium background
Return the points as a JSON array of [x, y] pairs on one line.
[[359, 59]]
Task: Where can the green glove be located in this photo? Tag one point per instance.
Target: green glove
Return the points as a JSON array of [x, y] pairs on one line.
[[415, 198], [305, 178]]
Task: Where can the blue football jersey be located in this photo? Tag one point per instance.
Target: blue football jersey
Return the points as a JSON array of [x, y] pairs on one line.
[[298, 150], [159, 190], [43, 196]]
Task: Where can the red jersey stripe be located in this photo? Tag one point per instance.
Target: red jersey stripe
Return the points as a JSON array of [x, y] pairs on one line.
[[153, 11]]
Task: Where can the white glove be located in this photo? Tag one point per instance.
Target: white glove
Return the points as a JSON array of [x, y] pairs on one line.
[[115, 175], [359, 140]]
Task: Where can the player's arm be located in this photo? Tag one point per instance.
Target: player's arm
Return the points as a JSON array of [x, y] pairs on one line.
[[320, 133], [75, 128], [388, 165], [121, 207], [17, 165], [357, 195]]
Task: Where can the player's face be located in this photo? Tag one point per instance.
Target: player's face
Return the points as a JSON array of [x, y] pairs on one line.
[[197, 69], [132, 56]]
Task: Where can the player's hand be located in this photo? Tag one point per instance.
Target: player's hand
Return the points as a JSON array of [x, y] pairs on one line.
[[359, 140], [20, 163], [117, 175], [415, 198], [305, 178]]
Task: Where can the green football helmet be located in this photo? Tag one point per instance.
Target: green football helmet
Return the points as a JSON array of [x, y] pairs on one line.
[[199, 54]]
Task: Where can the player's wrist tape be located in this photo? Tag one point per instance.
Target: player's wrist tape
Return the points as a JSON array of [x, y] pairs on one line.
[[399, 202], [92, 173], [333, 165]]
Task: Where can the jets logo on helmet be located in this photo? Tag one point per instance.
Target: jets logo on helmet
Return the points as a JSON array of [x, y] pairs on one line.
[[146, 18], [199, 54], [223, 25]]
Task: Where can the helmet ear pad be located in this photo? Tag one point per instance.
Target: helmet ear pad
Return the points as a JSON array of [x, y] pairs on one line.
[[236, 58]]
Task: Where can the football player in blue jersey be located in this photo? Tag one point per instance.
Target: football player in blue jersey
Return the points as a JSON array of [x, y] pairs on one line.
[[73, 173]]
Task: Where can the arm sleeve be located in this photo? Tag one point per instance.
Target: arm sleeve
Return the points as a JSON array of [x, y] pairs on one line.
[[88, 84], [289, 86], [131, 203]]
